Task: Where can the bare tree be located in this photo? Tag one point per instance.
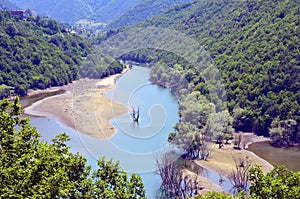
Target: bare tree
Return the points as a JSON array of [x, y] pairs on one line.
[[135, 114], [175, 183], [239, 176]]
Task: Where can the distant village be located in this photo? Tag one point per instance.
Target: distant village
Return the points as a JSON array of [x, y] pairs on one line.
[[80, 26]]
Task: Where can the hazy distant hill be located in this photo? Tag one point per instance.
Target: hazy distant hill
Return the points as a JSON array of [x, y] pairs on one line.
[[146, 9], [113, 10], [7, 5], [71, 11]]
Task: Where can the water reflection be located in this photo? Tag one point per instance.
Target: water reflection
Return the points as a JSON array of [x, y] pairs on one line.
[[133, 146], [215, 177]]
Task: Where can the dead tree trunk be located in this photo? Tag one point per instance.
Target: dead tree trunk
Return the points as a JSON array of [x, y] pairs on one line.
[[135, 114], [175, 183], [239, 176]]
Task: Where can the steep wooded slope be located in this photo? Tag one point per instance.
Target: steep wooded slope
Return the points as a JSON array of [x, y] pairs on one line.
[[37, 53], [256, 46], [144, 10]]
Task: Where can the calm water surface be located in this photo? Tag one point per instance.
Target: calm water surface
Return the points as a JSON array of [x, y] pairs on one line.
[[277, 156], [134, 145]]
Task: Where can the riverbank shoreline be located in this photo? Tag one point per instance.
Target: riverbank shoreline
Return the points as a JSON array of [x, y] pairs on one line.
[[222, 161], [83, 107]]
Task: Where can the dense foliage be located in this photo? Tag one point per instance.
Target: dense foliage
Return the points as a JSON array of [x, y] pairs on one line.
[[71, 11], [38, 53], [97, 65], [255, 45], [280, 183], [30, 168], [200, 124], [284, 133], [144, 10]]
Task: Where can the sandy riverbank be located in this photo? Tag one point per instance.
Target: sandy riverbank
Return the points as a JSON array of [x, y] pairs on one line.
[[84, 107], [222, 160]]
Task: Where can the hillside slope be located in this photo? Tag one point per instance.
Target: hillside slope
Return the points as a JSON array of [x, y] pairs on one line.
[[71, 11], [144, 10], [113, 10], [37, 53], [256, 46]]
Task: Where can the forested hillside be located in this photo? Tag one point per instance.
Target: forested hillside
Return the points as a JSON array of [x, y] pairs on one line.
[[144, 10], [71, 11], [255, 44], [37, 53], [113, 10]]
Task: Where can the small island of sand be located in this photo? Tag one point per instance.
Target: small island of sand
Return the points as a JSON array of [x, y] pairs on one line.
[[83, 107]]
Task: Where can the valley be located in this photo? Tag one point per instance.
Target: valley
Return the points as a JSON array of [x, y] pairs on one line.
[[157, 99]]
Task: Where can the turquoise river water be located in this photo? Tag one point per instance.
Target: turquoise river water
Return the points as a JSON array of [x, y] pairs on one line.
[[134, 145]]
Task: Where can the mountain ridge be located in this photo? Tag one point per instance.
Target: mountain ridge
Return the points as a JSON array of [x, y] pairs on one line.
[[144, 10], [71, 11]]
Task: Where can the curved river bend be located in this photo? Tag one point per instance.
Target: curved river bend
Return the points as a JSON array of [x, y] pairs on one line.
[[133, 145]]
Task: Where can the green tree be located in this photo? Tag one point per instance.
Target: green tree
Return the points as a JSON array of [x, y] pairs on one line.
[[279, 183], [11, 29], [37, 54], [220, 126], [112, 182], [215, 195], [283, 133], [5, 90], [30, 168], [196, 109], [187, 138]]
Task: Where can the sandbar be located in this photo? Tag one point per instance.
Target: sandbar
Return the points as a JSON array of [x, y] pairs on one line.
[[83, 107]]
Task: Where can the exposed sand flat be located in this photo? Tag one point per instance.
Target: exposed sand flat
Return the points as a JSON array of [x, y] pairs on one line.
[[84, 107], [222, 160]]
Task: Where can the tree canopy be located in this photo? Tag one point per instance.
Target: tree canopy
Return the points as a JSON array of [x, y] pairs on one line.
[[279, 183]]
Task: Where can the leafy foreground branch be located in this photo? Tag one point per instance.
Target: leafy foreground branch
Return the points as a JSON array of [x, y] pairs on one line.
[[280, 183], [30, 168]]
